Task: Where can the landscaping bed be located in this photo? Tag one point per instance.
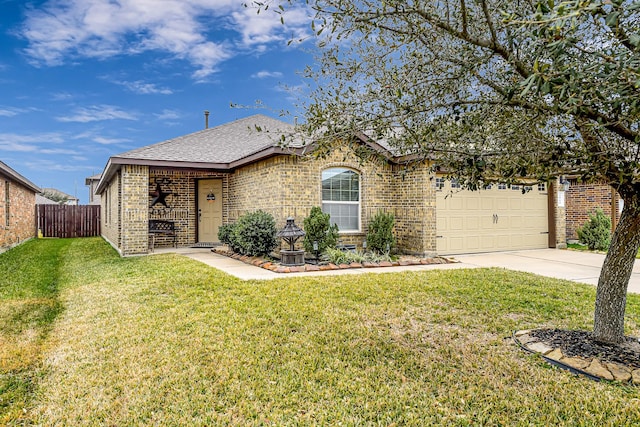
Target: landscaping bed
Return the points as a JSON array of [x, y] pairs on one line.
[[274, 265]]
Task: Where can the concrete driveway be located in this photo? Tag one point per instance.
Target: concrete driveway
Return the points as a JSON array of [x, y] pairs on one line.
[[577, 266]]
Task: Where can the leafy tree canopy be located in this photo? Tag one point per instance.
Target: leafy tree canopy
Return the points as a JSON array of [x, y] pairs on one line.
[[491, 90]]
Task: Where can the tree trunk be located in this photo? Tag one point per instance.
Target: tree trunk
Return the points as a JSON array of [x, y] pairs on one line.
[[611, 295]]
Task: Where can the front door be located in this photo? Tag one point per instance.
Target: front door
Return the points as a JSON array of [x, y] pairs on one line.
[[209, 209]]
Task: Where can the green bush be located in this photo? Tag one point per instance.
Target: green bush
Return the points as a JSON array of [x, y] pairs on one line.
[[338, 256], [596, 231], [255, 233], [380, 236], [319, 229], [227, 235]]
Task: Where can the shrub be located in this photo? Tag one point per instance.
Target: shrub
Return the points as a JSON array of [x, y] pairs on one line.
[[380, 236], [227, 235], [319, 229], [338, 256], [255, 233], [596, 231]]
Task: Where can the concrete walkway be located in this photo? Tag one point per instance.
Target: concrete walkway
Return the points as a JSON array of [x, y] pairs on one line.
[[576, 266]]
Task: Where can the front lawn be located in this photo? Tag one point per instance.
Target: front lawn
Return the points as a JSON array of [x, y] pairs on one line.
[[165, 340]]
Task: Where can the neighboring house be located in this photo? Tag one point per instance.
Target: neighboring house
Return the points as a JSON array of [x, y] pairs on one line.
[[17, 208], [71, 200], [584, 199], [92, 183], [41, 200], [208, 178]]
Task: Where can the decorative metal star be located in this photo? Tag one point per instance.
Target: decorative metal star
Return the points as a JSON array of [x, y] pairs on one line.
[[159, 196]]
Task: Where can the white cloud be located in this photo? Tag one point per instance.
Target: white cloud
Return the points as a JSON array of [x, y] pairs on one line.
[[108, 141], [57, 151], [266, 74], [14, 142], [13, 111], [265, 27], [61, 96], [97, 113], [61, 30], [143, 88], [50, 165], [168, 115]]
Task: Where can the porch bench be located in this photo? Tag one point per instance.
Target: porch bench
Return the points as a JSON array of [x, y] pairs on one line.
[[161, 227]]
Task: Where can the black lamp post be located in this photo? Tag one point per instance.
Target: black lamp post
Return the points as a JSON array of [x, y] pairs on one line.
[[290, 233]]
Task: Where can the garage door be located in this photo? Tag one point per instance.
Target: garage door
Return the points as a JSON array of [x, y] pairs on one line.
[[495, 219]]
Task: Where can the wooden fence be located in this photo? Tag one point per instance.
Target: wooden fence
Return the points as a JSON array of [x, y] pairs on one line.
[[68, 221]]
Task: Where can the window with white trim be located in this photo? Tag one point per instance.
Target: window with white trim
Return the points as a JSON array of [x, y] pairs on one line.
[[341, 197]]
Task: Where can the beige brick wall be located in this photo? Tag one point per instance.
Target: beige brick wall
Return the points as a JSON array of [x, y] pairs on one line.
[[110, 212], [414, 206], [21, 224], [289, 186]]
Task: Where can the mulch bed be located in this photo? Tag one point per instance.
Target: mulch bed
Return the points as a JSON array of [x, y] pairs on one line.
[[581, 344]]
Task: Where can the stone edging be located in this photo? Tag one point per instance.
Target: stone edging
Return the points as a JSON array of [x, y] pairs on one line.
[[592, 366], [278, 268]]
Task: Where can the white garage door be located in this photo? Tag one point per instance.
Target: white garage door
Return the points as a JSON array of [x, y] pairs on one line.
[[495, 219]]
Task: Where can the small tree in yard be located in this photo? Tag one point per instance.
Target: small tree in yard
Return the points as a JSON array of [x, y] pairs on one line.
[[319, 229], [596, 231], [492, 90], [380, 236]]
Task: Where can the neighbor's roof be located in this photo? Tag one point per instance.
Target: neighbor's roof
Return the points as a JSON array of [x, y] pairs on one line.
[[10, 173], [89, 179], [59, 193], [41, 200]]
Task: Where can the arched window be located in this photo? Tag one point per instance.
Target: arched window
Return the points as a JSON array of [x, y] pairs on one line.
[[341, 197]]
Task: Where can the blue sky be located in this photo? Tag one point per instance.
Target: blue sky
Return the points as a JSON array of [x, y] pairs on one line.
[[82, 80]]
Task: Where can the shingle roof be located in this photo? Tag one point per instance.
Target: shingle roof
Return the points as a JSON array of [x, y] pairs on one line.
[[223, 148], [223, 144], [10, 173], [41, 200]]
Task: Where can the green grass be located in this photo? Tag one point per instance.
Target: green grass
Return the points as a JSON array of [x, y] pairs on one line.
[[581, 247], [164, 340], [28, 306]]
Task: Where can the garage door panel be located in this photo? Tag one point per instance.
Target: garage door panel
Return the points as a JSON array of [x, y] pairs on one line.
[[472, 203], [490, 220], [456, 223], [473, 224]]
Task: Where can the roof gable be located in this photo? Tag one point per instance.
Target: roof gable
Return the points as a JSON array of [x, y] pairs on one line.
[[10, 173], [222, 144]]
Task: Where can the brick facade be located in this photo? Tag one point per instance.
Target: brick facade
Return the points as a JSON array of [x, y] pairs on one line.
[[584, 199], [284, 186], [289, 186], [182, 204], [18, 202]]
